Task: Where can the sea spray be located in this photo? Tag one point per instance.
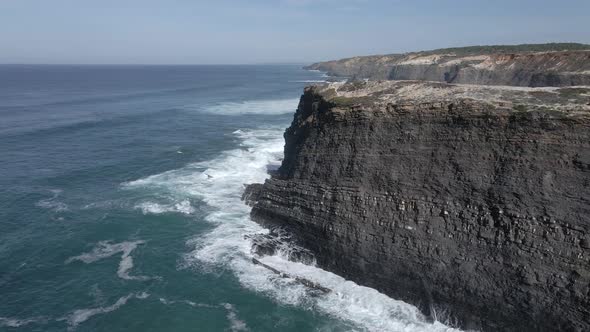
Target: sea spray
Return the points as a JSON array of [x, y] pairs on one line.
[[220, 183]]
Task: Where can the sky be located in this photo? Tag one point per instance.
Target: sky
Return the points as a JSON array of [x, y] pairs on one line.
[[271, 31]]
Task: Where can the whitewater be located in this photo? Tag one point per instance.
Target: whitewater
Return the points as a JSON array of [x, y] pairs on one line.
[[220, 183], [120, 205]]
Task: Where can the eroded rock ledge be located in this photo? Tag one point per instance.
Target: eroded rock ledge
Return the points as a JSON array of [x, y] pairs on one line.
[[475, 200]]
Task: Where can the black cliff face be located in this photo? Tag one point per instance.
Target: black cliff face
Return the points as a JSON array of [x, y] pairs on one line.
[[479, 209]]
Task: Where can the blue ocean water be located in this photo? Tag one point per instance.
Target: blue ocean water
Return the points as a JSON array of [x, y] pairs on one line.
[[120, 204]]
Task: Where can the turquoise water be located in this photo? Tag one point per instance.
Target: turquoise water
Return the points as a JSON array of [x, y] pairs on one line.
[[120, 204]]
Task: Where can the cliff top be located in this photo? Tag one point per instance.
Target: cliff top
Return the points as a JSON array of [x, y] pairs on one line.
[[477, 50], [517, 65], [502, 49], [364, 94]]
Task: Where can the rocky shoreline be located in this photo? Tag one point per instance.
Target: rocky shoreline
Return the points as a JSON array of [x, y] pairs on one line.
[[472, 200]]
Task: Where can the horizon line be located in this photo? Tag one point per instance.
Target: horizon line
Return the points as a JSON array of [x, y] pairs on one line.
[[156, 64]]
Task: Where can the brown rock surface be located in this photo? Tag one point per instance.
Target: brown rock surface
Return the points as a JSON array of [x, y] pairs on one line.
[[558, 65]]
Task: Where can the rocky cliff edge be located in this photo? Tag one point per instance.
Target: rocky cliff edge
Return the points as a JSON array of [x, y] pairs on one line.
[[518, 65], [473, 201]]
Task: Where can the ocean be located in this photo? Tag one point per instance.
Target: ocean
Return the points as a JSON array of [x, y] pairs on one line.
[[120, 204]]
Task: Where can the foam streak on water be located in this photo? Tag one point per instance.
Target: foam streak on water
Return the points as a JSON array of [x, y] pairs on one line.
[[105, 249], [14, 322], [53, 203], [81, 315], [236, 324], [220, 183]]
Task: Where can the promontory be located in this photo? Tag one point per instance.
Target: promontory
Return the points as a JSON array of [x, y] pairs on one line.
[[468, 199]]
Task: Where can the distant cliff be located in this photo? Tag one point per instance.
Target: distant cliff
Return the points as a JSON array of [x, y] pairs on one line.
[[518, 65], [471, 200]]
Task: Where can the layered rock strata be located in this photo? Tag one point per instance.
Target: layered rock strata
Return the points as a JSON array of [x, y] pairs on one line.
[[471, 200], [485, 65]]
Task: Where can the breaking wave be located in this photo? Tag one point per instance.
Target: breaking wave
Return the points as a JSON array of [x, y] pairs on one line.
[[183, 207], [310, 81], [220, 183], [279, 106]]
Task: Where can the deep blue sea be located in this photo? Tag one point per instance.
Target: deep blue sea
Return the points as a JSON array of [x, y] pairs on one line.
[[120, 204]]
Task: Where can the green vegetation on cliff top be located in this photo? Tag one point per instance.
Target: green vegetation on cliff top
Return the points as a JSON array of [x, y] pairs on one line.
[[489, 49], [469, 50]]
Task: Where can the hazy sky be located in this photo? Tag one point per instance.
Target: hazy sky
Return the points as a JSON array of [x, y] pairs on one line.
[[262, 31]]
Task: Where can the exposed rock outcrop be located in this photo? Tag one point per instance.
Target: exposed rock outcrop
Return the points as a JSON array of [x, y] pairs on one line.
[[471, 199], [523, 65]]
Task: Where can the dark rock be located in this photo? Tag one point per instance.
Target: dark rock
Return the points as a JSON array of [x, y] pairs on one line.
[[279, 241], [251, 193], [306, 282], [444, 197]]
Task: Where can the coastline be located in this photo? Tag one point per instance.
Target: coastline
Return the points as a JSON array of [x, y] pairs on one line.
[[423, 192]]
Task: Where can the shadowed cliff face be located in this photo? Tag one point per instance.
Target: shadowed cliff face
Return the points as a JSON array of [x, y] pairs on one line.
[[534, 69], [470, 200]]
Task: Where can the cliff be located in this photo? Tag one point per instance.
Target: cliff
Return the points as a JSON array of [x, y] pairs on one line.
[[519, 65], [473, 200]]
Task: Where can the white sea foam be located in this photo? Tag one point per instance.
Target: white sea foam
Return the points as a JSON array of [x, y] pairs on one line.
[[81, 315], [236, 324], [310, 81], [187, 302], [220, 183], [279, 106], [107, 205], [105, 249], [14, 322], [183, 207], [53, 203]]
